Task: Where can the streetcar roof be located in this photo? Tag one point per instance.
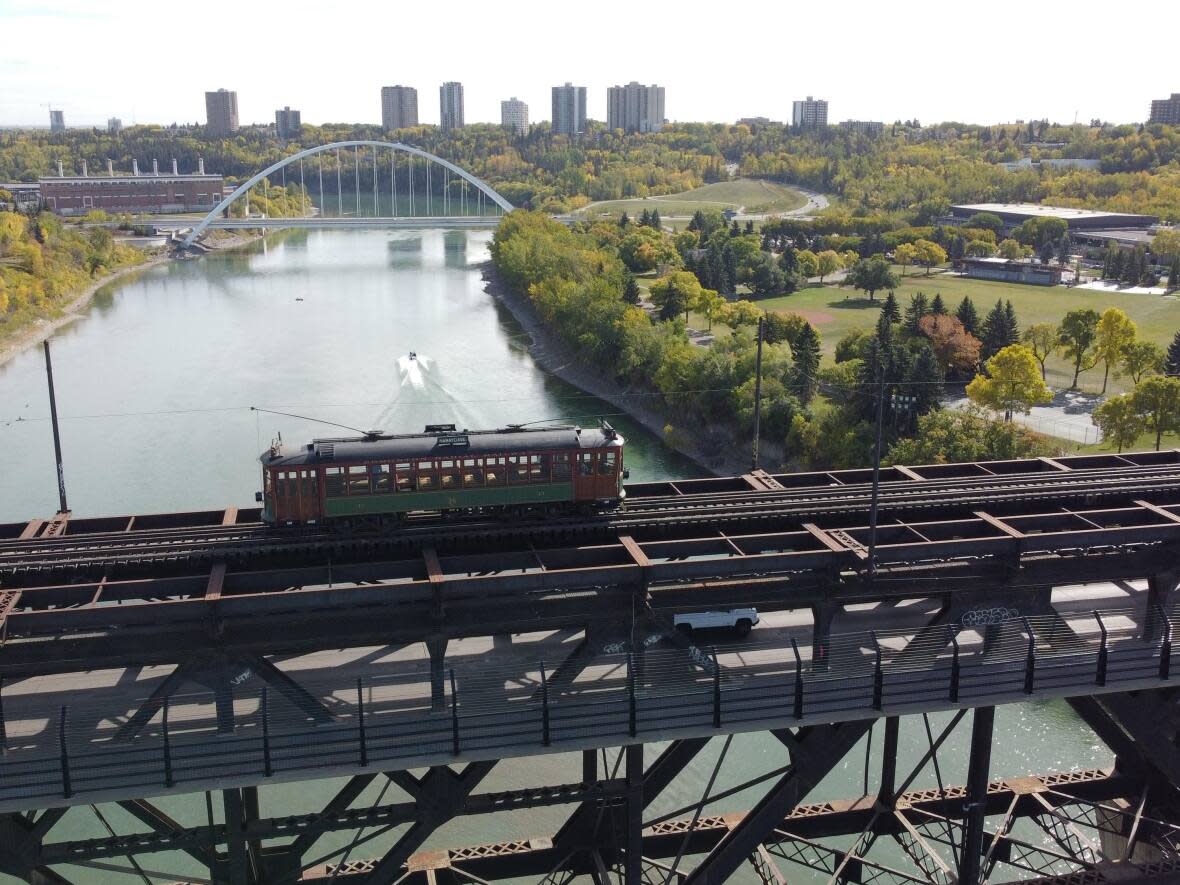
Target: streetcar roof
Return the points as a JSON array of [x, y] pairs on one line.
[[441, 443]]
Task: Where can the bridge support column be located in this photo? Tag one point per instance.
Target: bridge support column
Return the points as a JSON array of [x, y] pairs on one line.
[[438, 673], [886, 795], [975, 806], [633, 865]]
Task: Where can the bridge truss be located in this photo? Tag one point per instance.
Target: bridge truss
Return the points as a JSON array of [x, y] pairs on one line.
[[129, 683], [457, 196]]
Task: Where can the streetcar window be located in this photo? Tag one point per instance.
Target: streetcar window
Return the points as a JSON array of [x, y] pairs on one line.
[[334, 481], [518, 469], [379, 476], [309, 491], [358, 480], [606, 463], [561, 468], [586, 464], [404, 477], [448, 476], [472, 473], [539, 468], [495, 471], [427, 479]]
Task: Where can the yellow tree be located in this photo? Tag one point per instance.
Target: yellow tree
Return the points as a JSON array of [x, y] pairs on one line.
[[1012, 383], [930, 253], [829, 262], [1041, 339], [1011, 250], [905, 255], [1115, 332]]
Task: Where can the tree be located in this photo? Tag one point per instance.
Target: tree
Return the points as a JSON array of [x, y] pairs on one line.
[[828, 262], [871, 275], [1011, 250], [1165, 246], [917, 308], [676, 294], [937, 307], [709, 305], [1076, 336], [805, 350], [779, 327], [1115, 330], [987, 221], [631, 289], [997, 330], [1172, 360], [1157, 400], [1142, 358], [765, 276], [930, 254], [905, 255], [624, 220], [852, 345], [1041, 339], [654, 219], [956, 349], [890, 309], [949, 435], [644, 248], [967, 315], [1119, 420], [739, 313], [980, 249], [1012, 383], [808, 263]]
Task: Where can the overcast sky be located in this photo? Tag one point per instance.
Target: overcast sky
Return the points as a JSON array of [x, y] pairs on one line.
[[975, 62]]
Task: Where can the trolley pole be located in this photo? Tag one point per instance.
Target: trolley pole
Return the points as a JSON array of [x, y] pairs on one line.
[[61, 476], [757, 395], [876, 468]]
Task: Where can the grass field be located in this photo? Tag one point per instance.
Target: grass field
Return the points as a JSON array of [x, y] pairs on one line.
[[753, 196], [835, 312]]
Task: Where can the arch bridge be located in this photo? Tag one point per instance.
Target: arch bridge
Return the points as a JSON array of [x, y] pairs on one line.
[[412, 193]]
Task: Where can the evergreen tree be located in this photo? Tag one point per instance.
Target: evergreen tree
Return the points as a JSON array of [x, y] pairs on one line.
[[734, 230], [749, 227], [967, 315], [957, 248], [918, 308], [631, 289], [729, 261], [936, 306], [1115, 271], [787, 261], [997, 331], [1172, 360], [1011, 326], [697, 222], [805, 350], [654, 219], [644, 219], [624, 220], [1131, 268], [884, 327], [929, 376], [890, 309]]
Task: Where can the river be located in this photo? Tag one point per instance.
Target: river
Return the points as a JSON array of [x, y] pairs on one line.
[[155, 385]]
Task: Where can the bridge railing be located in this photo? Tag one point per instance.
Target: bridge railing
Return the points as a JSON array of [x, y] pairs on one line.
[[388, 720]]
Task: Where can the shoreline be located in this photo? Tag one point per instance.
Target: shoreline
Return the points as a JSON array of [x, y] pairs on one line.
[[551, 355], [39, 330]]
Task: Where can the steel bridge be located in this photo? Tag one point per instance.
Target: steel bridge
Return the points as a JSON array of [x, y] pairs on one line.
[[447, 202], [166, 654]]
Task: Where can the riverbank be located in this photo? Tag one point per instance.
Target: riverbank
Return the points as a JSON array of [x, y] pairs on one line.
[[38, 330], [554, 357]]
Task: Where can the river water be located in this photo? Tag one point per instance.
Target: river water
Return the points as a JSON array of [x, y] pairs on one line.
[[155, 386]]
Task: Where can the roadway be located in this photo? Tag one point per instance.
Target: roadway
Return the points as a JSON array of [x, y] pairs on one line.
[[586, 690], [323, 223]]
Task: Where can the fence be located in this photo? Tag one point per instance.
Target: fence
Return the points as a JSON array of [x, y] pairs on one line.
[[388, 722]]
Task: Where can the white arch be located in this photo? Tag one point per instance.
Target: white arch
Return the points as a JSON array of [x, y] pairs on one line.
[[311, 151]]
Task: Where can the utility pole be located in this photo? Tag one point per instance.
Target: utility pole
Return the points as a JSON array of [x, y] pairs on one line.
[[61, 477], [758, 395], [876, 465]]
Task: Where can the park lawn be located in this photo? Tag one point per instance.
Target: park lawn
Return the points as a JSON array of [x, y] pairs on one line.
[[835, 311], [754, 196]]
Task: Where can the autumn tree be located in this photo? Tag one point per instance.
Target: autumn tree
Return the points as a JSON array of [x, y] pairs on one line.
[[1157, 400], [1012, 383], [1011, 250], [957, 349], [1141, 358], [676, 294], [1119, 420], [1076, 336], [905, 255], [739, 313], [872, 275], [1115, 330], [930, 254], [1041, 339], [709, 304], [827, 261], [807, 262]]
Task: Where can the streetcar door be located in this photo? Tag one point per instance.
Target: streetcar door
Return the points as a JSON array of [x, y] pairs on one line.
[[585, 476]]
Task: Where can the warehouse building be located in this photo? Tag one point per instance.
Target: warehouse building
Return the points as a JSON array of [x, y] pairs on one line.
[[135, 193], [1015, 214]]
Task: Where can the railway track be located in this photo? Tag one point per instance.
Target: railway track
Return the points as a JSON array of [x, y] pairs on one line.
[[650, 517]]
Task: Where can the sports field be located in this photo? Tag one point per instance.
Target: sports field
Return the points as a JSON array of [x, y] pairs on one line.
[[750, 196]]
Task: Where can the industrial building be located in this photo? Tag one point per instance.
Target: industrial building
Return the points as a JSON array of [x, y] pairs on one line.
[[569, 109], [135, 193], [635, 108], [514, 115], [1015, 214]]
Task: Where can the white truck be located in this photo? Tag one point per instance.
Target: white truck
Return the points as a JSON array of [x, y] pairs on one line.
[[740, 620]]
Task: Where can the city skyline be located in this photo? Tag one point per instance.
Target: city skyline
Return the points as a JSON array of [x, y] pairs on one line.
[[767, 75]]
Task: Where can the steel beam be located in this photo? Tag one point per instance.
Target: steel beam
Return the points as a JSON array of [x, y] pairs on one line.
[[975, 805]]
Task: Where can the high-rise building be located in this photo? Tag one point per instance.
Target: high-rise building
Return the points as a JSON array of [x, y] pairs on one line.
[[569, 109], [514, 115], [57, 121], [288, 123], [399, 107], [1166, 110], [450, 102], [114, 125], [810, 114], [221, 112], [635, 108]]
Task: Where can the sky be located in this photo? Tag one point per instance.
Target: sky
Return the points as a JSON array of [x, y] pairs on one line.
[[934, 61]]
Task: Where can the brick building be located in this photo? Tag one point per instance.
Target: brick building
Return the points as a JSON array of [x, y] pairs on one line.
[[135, 193]]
